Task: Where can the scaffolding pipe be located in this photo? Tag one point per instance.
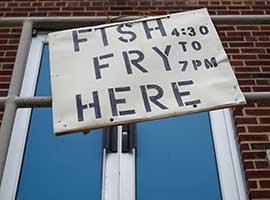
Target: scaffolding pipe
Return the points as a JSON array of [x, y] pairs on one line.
[[46, 101], [71, 22], [14, 90]]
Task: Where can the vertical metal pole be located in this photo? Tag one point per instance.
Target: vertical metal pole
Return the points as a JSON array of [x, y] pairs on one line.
[[14, 90]]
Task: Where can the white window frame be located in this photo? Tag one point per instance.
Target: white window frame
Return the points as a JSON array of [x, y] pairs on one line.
[[230, 171]]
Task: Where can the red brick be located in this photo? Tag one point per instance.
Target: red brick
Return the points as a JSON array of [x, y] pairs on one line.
[[48, 9], [266, 69], [62, 4], [73, 8], [252, 184], [251, 39], [7, 66], [73, 4], [262, 44], [17, 14], [253, 155], [248, 165], [263, 56], [236, 33], [245, 88], [244, 147], [36, 4], [8, 47], [8, 59], [228, 12], [247, 69], [251, 137], [28, 4], [12, 4], [24, 9], [225, 28], [261, 89], [246, 120], [89, 13], [264, 120], [6, 72], [16, 30], [241, 44], [137, 3], [265, 27], [253, 50], [261, 165], [232, 51], [252, 12], [258, 62], [258, 173], [3, 41], [5, 9], [262, 82], [60, 13], [266, 33], [238, 111], [120, 8], [241, 129], [215, 3], [233, 39], [5, 78], [131, 13], [245, 56], [239, 7], [263, 104], [247, 28], [265, 183], [258, 129], [260, 146], [121, 3], [260, 194], [3, 93], [4, 85], [38, 14], [226, 2]]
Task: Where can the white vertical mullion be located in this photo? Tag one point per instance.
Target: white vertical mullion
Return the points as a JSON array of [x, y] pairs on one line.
[[127, 174], [110, 176], [118, 181]]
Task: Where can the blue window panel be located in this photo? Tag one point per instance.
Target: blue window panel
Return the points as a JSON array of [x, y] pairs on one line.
[[176, 159], [67, 167]]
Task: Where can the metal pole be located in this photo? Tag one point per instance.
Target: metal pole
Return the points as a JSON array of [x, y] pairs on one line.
[[257, 96], [46, 101], [14, 90], [71, 22]]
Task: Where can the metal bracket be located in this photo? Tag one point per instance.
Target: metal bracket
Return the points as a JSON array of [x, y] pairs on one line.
[[110, 139], [128, 138]]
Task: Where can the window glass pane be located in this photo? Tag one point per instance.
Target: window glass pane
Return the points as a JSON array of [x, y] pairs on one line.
[[176, 159], [66, 167]]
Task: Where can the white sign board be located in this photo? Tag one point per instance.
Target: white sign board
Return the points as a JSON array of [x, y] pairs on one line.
[[139, 70]]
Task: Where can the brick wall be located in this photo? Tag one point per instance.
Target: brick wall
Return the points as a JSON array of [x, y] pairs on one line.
[[248, 47]]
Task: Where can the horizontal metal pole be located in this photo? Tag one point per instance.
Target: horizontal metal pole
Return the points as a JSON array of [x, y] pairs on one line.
[[71, 22], [27, 102], [46, 101], [257, 96]]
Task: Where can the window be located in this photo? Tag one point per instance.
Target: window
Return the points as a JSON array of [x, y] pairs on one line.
[[194, 156]]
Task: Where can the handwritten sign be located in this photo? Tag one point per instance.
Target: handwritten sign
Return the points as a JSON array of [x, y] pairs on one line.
[[139, 70]]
